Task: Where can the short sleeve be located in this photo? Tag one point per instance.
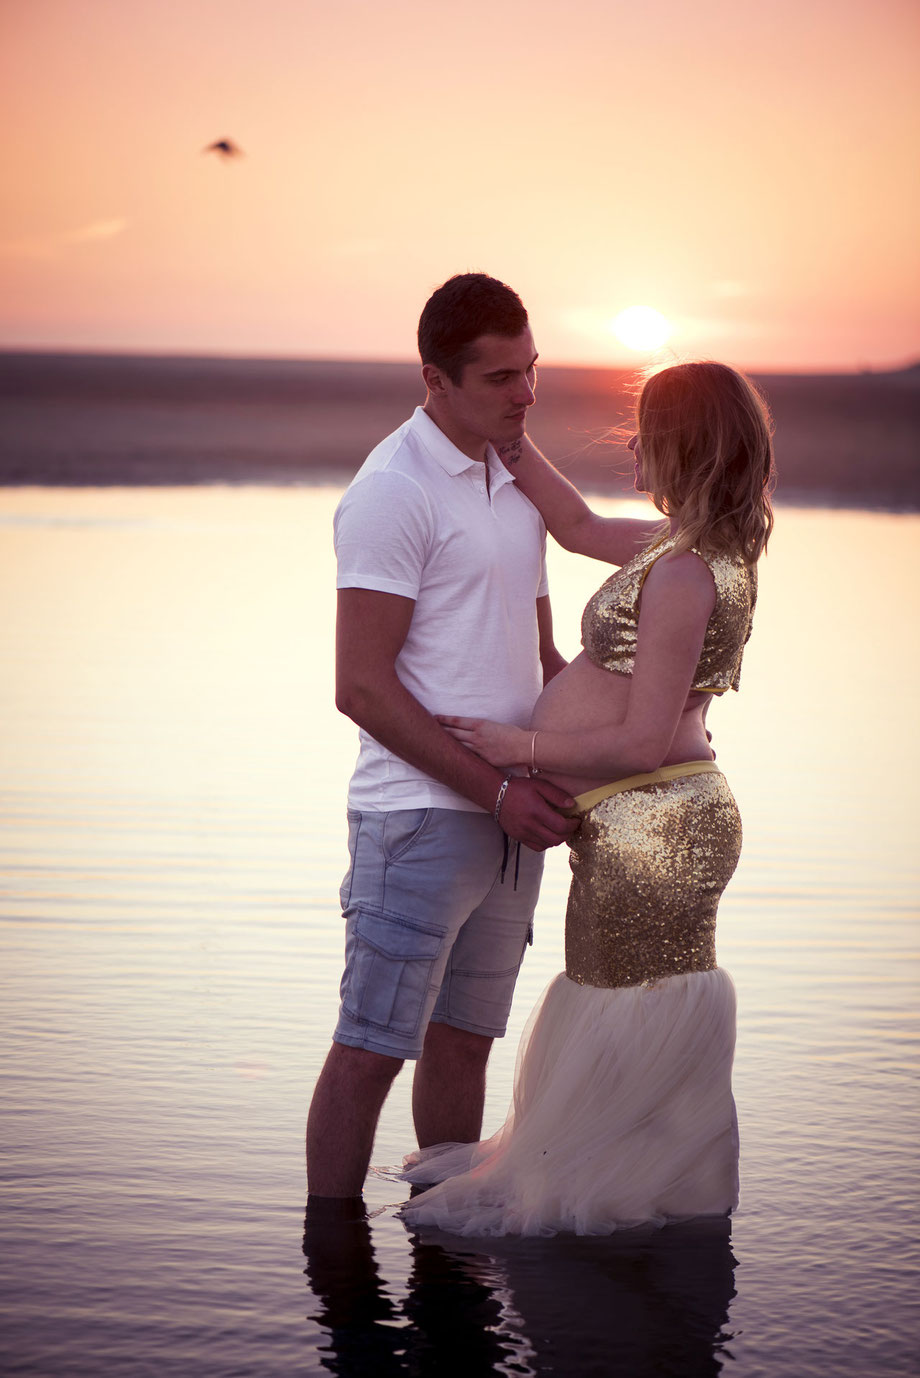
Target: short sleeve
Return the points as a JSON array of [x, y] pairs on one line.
[[543, 588], [383, 530]]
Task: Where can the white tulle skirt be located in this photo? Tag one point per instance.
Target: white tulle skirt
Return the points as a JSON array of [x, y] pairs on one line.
[[622, 1115]]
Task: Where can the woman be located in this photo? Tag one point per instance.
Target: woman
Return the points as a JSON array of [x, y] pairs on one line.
[[623, 1111]]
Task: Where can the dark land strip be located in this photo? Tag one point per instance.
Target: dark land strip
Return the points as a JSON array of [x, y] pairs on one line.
[[104, 420]]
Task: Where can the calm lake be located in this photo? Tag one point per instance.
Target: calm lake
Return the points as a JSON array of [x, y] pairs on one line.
[[172, 782]]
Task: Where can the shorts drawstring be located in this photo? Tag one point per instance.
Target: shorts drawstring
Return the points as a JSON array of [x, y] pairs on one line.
[[517, 860]]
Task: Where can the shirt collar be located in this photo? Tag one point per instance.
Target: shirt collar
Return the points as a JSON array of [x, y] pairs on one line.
[[452, 460]]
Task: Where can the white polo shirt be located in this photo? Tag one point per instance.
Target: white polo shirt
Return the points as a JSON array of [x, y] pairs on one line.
[[418, 521]]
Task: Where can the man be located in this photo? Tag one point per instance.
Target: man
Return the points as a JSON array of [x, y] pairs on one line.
[[442, 609]]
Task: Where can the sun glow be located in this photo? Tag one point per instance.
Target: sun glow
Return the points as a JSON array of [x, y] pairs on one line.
[[641, 328]]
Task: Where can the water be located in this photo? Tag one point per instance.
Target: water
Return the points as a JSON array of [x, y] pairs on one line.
[[173, 780]]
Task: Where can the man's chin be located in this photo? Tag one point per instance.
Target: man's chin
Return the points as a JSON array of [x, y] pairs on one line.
[[512, 430]]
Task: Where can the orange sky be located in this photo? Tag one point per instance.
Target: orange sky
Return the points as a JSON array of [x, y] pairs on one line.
[[750, 170]]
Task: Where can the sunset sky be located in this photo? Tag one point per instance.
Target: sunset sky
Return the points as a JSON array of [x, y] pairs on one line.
[[747, 169]]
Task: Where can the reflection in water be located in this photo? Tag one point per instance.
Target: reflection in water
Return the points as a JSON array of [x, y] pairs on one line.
[[456, 1312], [641, 1304], [343, 1275], [448, 1324]]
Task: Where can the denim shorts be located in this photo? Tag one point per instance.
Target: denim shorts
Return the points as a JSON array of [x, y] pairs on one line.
[[433, 929]]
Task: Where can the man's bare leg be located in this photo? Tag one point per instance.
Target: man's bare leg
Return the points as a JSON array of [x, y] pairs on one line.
[[449, 1088], [343, 1117]]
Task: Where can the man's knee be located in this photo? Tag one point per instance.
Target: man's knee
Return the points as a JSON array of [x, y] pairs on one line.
[[448, 1043], [360, 1066]]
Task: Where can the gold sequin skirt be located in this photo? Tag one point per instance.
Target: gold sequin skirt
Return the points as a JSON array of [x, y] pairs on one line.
[[623, 1111], [649, 864]]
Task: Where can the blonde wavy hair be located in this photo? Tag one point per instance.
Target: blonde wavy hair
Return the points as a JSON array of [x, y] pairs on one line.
[[707, 457]]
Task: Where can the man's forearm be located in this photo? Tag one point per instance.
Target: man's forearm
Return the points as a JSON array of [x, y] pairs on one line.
[[397, 720], [551, 660]]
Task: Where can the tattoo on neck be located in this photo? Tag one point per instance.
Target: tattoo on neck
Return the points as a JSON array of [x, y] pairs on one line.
[[511, 453]]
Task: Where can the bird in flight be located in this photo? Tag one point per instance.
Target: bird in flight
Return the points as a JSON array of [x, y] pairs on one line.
[[224, 148]]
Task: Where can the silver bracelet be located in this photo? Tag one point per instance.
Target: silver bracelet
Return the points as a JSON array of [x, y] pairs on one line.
[[534, 769], [501, 797]]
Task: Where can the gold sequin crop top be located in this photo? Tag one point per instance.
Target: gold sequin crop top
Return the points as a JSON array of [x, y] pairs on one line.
[[609, 624]]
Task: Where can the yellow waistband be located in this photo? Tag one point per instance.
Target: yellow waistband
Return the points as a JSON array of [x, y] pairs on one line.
[[584, 802]]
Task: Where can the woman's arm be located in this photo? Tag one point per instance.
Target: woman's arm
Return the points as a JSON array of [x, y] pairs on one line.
[[677, 600], [568, 517]]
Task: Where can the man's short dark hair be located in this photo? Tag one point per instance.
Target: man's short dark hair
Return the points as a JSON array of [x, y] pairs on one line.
[[465, 307]]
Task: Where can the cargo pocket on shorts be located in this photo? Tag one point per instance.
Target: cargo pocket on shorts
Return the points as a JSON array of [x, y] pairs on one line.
[[390, 972]]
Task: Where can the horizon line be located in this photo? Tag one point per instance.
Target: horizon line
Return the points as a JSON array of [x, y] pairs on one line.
[[115, 352]]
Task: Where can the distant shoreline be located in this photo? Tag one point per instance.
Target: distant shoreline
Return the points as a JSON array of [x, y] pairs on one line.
[[282, 361], [89, 420]]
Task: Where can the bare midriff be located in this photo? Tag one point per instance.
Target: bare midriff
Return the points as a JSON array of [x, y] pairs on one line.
[[585, 695]]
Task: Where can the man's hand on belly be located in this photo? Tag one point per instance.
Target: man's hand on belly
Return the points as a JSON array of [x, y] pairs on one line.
[[530, 814]]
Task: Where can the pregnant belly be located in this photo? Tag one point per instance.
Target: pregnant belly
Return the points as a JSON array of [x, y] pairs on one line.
[[584, 696]]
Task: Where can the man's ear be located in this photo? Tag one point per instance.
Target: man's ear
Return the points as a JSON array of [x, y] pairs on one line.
[[435, 380]]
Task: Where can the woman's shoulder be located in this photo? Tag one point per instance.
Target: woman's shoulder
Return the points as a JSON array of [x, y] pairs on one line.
[[682, 573], [731, 572]]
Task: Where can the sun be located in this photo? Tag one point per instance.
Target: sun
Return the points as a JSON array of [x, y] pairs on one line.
[[641, 328]]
